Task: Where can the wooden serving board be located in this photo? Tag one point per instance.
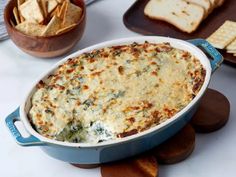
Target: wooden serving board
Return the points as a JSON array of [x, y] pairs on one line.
[[135, 20]]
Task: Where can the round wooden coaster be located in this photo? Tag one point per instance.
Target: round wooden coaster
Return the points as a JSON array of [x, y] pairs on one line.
[[213, 112], [177, 148], [138, 167], [85, 166]]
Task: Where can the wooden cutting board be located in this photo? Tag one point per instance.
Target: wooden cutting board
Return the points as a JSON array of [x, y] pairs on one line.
[[135, 20]]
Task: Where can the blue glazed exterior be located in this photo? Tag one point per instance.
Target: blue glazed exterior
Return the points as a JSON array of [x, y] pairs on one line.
[[102, 154], [217, 58], [114, 151]]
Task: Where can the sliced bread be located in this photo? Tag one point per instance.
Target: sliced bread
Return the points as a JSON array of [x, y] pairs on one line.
[[216, 3], [206, 4], [220, 3], [182, 14]]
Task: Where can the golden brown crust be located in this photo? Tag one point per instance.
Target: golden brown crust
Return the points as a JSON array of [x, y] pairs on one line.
[[115, 92]]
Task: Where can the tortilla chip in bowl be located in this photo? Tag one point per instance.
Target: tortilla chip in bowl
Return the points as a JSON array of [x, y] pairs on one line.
[[45, 28]]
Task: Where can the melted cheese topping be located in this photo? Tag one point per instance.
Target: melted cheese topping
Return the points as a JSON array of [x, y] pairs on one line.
[[115, 92]]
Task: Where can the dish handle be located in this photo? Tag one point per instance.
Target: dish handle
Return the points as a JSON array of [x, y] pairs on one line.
[[216, 58], [23, 141]]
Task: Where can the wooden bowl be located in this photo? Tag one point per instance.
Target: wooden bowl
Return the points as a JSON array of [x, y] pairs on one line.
[[45, 47]]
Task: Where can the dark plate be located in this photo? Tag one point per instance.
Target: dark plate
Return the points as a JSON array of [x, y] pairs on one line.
[[135, 20]]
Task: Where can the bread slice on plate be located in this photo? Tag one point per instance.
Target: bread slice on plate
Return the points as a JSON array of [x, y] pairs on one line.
[[220, 3], [216, 3], [206, 4], [182, 14]]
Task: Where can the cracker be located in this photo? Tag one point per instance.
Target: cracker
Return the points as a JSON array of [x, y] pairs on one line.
[[44, 7], [63, 10], [16, 15], [52, 4], [22, 19], [12, 24], [53, 26], [31, 11], [30, 28], [45, 17], [232, 45], [19, 2], [223, 35], [73, 14], [56, 11], [231, 51], [60, 1], [68, 28]]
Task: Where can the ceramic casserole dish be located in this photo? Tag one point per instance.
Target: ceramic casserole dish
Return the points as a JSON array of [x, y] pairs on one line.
[[107, 151]]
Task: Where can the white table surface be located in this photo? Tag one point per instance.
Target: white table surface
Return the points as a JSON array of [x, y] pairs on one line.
[[214, 154]]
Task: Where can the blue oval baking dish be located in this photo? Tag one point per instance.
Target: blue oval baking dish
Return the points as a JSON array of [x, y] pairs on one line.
[[87, 153]]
